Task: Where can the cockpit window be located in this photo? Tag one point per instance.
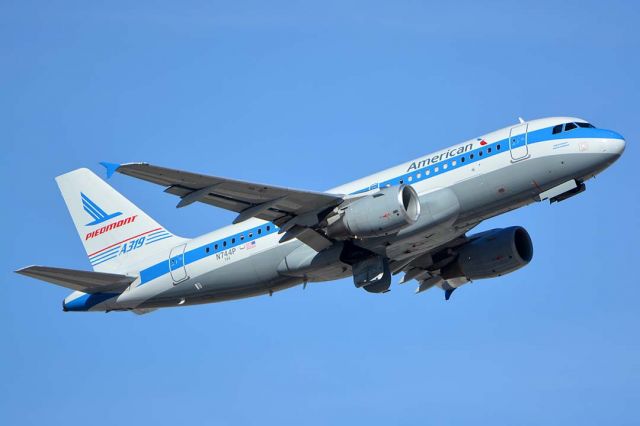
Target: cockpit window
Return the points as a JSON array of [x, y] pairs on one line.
[[570, 126]]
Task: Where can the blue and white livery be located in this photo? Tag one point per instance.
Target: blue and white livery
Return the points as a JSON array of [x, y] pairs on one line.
[[411, 219]]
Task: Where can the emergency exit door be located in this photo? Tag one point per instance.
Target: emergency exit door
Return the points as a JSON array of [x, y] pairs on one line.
[[177, 267]]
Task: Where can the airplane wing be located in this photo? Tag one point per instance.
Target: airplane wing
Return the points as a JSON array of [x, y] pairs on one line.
[[292, 210], [268, 202], [85, 281]]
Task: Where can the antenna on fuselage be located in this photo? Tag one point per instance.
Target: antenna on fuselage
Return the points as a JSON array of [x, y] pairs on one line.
[[521, 120]]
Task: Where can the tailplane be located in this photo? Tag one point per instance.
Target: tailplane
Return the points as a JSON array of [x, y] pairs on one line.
[[117, 236]]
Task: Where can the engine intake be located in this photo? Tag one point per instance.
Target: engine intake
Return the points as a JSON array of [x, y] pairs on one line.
[[492, 254], [382, 213]]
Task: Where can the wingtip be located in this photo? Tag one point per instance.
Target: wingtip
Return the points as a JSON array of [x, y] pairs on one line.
[[24, 270], [111, 167]]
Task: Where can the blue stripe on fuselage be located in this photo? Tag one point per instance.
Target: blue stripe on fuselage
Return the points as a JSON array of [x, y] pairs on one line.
[[211, 249]]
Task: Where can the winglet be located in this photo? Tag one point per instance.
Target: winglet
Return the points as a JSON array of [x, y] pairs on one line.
[[111, 168]]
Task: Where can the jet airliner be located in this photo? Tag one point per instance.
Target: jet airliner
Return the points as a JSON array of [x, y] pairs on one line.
[[413, 219]]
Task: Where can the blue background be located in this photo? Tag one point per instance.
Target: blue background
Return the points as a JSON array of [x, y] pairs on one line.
[[310, 96]]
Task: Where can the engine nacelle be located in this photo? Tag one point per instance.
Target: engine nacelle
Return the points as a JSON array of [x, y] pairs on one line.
[[492, 254], [382, 213]]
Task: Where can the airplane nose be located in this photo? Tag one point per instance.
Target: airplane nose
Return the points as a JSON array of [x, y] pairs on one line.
[[612, 142], [615, 143], [617, 146]]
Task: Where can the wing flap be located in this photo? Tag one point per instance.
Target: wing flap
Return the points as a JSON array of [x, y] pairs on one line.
[[85, 281]]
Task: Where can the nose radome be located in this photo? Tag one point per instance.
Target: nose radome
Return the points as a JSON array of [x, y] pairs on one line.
[[615, 142], [612, 142], [617, 146]]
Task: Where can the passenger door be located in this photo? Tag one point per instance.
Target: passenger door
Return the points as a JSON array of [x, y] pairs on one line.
[[177, 267], [518, 142]]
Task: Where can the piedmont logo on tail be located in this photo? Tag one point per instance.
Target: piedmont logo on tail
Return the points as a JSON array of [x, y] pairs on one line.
[[110, 227], [100, 216], [413, 219], [95, 211]]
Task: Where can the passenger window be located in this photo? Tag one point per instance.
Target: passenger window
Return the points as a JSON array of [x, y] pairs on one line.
[[489, 150], [241, 237], [480, 153], [207, 250], [498, 147], [268, 228], [233, 241], [224, 244], [471, 156], [259, 231], [569, 126], [462, 160], [215, 247], [557, 129]]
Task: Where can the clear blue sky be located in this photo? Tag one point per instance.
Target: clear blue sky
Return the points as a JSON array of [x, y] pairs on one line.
[[312, 96]]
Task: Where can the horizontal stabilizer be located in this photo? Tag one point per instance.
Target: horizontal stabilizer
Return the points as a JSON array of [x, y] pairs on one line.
[[85, 281]]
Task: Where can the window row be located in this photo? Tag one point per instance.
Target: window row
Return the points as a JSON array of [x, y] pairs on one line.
[[446, 165], [240, 237]]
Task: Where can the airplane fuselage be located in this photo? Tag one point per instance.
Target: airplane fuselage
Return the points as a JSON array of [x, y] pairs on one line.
[[486, 176]]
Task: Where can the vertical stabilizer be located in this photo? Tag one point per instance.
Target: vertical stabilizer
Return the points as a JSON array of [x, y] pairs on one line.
[[116, 234]]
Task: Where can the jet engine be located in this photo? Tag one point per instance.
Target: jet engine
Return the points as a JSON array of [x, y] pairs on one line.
[[491, 254], [382, 213]]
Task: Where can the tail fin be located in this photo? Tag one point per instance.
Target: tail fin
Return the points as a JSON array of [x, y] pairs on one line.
[[116, 234]]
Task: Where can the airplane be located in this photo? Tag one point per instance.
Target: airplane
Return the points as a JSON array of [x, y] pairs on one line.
[[411, 219]]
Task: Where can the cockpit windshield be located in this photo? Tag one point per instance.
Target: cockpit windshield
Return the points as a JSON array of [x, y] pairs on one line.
[[570, 126]]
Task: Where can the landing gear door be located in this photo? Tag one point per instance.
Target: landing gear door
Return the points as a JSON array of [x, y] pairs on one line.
[[177, 267], [518, 142]]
